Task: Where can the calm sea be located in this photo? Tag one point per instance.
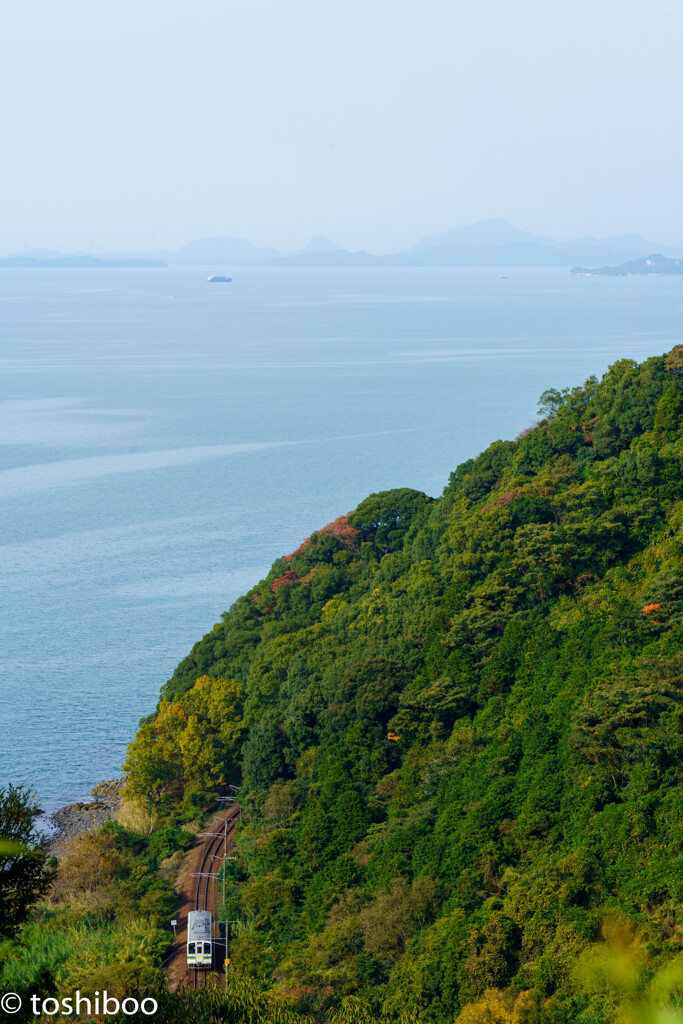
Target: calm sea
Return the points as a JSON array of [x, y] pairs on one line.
[[164, 439]]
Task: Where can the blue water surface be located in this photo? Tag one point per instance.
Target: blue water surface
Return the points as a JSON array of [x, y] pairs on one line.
[[164, 439]]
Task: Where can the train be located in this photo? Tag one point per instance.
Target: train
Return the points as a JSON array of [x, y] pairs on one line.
[[199, 944]]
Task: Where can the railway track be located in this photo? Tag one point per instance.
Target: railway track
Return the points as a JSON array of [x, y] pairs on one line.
[[206, 889]]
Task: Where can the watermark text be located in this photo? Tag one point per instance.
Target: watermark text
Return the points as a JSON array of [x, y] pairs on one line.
[[98, 1003]]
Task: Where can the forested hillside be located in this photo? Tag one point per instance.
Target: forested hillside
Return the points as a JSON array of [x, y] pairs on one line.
[[456, 725]]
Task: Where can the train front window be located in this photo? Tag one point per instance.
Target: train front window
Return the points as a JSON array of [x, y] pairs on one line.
[[190, 949]]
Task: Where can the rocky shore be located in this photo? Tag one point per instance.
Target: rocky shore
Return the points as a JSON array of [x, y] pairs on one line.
[[76, 819]]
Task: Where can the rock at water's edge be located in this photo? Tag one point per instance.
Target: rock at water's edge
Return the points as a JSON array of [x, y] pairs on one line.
[[78, 818], [109, 788]]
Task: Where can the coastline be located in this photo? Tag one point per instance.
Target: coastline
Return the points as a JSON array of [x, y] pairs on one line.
[[77, 819]]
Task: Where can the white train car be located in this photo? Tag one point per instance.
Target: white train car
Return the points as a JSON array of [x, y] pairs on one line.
[[199, 951]]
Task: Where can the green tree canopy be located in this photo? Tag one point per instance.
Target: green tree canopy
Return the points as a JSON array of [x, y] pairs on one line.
[[24, 874], [385, 516]]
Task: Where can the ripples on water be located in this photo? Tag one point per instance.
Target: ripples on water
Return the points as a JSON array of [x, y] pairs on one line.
[[163, 440]]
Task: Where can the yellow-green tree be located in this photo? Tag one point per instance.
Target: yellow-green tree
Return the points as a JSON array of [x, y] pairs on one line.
[[192, 741]]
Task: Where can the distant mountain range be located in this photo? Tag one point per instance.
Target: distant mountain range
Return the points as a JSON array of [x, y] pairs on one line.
[[512, 254], [480, 235], [487, 243]]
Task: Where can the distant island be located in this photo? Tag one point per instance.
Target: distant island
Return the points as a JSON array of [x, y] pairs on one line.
[[78, 261], [646, 266]]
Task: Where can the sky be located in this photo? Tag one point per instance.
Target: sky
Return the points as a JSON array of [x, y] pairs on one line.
[[142, 124]]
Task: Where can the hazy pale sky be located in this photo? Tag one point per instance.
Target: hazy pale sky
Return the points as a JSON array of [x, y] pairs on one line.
[[147, 123]]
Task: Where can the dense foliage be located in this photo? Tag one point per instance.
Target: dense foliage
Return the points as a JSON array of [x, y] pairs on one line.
[[458, 724], [25, 874], [104, 924], [457, 729]]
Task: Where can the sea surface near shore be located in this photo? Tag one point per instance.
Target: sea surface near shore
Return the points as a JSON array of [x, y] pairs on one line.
[[164, 439]]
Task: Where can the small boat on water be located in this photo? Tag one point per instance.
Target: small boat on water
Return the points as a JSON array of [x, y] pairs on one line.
[[218, 279]]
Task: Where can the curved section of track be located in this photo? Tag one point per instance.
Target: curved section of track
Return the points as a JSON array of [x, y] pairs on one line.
[[213, 850]]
